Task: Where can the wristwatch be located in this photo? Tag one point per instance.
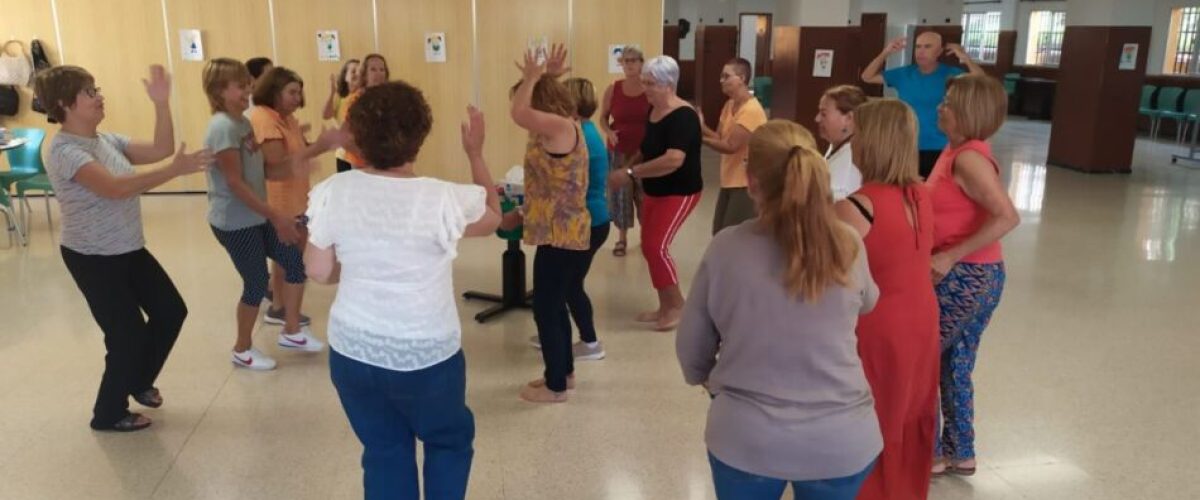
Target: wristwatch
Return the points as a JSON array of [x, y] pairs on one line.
[[629, 171]]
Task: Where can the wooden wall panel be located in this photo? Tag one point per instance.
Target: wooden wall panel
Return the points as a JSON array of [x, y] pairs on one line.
[[796, 91], [242, 36], [447, 86], [504, 31], [594, 29], [715, 46], [97, 36], [296, 26], [872, 36]]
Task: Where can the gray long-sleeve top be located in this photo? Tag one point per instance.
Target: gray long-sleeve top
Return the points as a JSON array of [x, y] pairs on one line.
[[791, 400]]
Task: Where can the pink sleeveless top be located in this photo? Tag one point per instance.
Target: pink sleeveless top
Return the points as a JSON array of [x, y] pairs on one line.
[[955, 215], [629, 116]]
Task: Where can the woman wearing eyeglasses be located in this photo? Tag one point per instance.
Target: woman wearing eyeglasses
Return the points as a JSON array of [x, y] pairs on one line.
[[623, 120]]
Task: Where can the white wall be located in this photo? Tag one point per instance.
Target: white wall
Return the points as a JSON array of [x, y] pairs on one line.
[[1007, 8], [900, 15], [714, 12], [938, 11]]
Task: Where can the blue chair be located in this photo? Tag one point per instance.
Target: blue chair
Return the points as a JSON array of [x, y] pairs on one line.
[[1167, 108], [27, 161], [1146, 107]]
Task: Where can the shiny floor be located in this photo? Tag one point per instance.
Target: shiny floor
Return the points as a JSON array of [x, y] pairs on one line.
[[1086, 379]]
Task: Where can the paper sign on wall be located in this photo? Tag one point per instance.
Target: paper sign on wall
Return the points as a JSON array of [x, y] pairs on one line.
[[191, 47], [540, 48], [329, 47], [1129, 55], [614, 58], [823, 63], [435, 47]]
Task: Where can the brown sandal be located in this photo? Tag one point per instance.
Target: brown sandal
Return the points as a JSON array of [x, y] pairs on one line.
[[619, 249]]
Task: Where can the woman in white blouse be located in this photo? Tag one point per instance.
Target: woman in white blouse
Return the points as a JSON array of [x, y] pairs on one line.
[[835, 124], [390, 237]]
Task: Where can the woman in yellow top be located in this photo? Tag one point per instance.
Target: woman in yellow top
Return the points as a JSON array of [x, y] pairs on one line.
[[341, 87], [555, 214], [373, 71], [277, 96], [741, 115]]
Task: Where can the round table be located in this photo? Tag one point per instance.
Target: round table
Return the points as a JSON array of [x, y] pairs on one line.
[[14, 144]]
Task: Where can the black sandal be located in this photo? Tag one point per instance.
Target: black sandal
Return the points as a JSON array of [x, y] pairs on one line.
[[149, 398], [129, 424]]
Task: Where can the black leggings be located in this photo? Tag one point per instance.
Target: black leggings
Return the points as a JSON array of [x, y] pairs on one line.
[[577, 298], [118, 290], [927, 158], [343, 165], [555, 270]]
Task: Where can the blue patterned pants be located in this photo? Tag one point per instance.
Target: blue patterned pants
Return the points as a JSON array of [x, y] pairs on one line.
[[967, 297]]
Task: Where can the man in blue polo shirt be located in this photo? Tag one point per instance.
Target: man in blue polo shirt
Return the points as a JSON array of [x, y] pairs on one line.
[[922, 85]]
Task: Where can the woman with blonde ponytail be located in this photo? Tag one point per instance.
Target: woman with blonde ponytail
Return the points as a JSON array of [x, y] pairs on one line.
[[778, 298]]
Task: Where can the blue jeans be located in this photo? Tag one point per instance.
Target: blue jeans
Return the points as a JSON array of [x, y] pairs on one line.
[[389, 410], [734, 484]]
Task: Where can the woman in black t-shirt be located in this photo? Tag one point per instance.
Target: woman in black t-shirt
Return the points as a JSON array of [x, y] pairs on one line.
[[669, 169]]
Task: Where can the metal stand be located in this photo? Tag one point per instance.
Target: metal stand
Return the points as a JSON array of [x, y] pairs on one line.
[[513, 295], [1193, 154]]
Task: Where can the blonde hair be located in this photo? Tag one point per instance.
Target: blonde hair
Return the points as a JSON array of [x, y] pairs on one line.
[[218, 74], [979, 104], [846, 98], [795, 204], [884, 147], [584, 94]]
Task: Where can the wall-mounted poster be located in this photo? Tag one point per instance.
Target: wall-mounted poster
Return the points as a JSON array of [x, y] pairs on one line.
[[435, 47], [191, 47], [823, 63], [329, 47], [614, 58], [1129, 55]]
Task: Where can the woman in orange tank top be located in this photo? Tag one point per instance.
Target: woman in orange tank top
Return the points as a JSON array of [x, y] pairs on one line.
[[972, 211]]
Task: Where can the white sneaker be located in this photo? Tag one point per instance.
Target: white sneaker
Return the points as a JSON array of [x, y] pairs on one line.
[[582, 352], [301, 341], [253, 359]]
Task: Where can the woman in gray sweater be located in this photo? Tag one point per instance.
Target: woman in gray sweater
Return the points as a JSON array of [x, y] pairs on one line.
[[778, 298]]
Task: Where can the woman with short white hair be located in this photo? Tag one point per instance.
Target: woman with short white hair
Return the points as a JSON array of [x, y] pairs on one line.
[[669, 170]]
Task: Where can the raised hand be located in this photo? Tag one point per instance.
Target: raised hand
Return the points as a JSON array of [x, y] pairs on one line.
[[531, 71], [896, 45], [332, 138], [957, 51], [556, 63], [473, 132], [186, 163], [158, 86], [333, 83]]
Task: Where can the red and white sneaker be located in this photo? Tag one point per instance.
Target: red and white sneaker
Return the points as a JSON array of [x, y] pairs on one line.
[[300, 341], [253, 359]]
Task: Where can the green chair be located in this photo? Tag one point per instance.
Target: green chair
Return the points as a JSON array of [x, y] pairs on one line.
[[762, 90], [33, 172], [11, 219], [1146, 107], [26, 161], [1010, 83], [1167, 108], [1191, 111]]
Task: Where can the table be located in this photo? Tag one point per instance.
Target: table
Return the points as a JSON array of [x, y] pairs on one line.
[[1036, 97], [14, 144], [512, 275]]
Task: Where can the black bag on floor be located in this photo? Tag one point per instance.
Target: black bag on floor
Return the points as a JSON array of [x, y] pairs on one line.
[[10, 100]]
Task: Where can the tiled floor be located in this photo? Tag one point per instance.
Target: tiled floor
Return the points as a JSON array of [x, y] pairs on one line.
[[1085, 381]]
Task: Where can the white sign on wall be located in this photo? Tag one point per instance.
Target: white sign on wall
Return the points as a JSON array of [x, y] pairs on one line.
[[614, 59], [1129, 55], [435, 47], [823, 63], [329, 46], [191, 46]]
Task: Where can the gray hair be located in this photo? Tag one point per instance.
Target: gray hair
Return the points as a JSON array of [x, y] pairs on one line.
[[663, 69]]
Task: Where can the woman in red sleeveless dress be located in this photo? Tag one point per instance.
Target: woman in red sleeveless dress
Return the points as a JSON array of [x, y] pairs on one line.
[[623, 116], [898, 341]]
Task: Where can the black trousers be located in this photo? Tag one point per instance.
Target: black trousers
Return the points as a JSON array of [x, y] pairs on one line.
[[555, 270], [928, 158], [119, 289], [577, 298], [343, 165]]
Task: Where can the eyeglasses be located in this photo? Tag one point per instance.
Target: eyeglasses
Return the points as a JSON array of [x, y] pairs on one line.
[[92, 91]]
